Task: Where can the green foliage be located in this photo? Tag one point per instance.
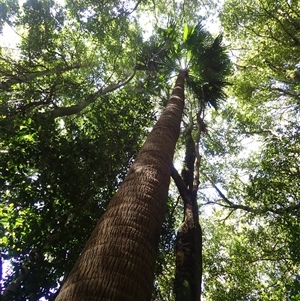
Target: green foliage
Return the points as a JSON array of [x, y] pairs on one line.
[[8, 9], [57, 177], [71, 123], [209, 65], [251, 232], [266, 34], [66, 143], [246, 262]]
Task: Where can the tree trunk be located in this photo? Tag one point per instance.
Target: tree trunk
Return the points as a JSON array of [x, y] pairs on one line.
[[118, 260], [188, 273]]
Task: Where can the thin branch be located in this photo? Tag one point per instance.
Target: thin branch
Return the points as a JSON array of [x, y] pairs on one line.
[[198, 160], [219, 191], [261, 210], [295, 39], [228, 215], [134, 9], [285, 92], [175, 206], [183, 191], [294, 11], [44, 101]]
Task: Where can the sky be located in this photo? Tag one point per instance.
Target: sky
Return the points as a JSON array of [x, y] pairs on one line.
[[9, 37]]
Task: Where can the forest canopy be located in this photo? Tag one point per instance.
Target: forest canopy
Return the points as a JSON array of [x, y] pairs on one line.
[[81, 85]]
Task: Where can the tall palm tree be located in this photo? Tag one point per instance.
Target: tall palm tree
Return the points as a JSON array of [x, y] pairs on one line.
[[118, 260]]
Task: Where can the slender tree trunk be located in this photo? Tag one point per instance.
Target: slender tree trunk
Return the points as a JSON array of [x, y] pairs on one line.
[[118, 260], [188, 273]]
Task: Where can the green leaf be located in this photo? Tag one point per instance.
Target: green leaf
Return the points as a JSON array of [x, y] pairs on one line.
[[185, 32], [3, 241]]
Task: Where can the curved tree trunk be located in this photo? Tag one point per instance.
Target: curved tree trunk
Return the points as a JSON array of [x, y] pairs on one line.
[[188, 273], [118, 260]]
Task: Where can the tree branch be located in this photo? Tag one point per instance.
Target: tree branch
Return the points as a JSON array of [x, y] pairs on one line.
[[183, 191], [262, 210], [17, 79], [134, 9], [218, 191], [201, 129], [75, 109], [285, 92]]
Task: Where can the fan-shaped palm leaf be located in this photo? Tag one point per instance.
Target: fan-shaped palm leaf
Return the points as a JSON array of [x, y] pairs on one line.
[[207, 61], [208, 66]]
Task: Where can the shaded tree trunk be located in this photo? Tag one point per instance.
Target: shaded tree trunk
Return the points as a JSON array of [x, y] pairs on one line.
[[118, 260], [188, 274]]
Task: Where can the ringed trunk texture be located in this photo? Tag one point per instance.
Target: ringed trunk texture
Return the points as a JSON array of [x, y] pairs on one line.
[[118, 260]]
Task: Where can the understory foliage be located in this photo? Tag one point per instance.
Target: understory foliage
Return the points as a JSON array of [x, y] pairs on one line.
[[252, 235], [80, 88]]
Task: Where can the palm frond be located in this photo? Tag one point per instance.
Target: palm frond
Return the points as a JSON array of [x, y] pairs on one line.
[[151, 56], [207, 58], [210, 65], [160, 51]]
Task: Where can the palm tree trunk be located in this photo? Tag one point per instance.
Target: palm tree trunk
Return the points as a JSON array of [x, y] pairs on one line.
[[118, 260]]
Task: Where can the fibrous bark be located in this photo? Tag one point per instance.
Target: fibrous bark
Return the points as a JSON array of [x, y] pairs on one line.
[[118, 260]]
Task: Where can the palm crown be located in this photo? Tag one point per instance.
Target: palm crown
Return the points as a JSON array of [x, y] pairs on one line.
[[203, 56]]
